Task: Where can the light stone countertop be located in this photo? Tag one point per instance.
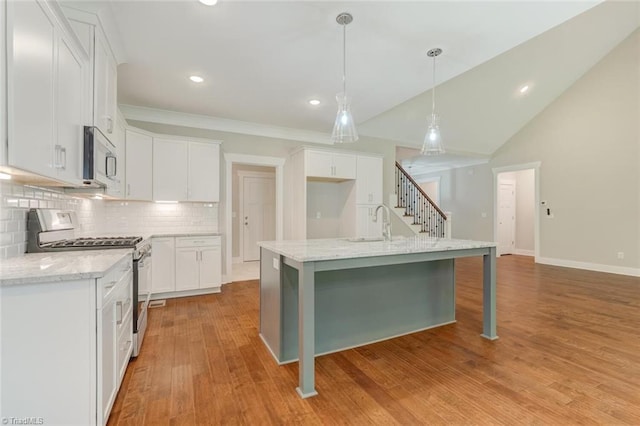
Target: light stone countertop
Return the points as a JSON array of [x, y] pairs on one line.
[[59, 266], [342, 248]]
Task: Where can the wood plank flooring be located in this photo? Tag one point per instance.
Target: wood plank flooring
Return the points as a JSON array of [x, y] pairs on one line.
[[568, 353]]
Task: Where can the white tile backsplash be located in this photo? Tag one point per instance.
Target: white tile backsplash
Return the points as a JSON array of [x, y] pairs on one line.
[[98, 217]]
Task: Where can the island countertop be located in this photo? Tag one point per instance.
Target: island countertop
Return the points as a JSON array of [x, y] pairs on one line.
[[59, 266], [346, 248]]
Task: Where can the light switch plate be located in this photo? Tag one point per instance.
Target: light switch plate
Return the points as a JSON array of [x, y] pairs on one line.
[[276, 264]]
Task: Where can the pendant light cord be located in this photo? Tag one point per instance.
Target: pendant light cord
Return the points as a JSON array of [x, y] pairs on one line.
[[433, 90], [344, 59]]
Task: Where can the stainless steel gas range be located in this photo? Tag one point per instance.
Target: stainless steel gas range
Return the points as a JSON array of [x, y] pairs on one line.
[[51, 230]]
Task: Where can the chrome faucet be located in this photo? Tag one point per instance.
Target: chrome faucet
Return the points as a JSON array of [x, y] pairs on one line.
[[386, 224]]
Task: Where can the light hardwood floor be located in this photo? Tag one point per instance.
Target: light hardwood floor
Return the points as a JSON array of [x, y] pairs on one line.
[[568, 353]]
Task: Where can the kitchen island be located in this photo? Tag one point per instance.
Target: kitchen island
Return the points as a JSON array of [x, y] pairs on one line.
[[323, 296]]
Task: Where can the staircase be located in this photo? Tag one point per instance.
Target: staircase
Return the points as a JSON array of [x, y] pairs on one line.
[[416, 209]]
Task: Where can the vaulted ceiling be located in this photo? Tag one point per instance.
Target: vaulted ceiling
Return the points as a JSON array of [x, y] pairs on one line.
[[262, 61]]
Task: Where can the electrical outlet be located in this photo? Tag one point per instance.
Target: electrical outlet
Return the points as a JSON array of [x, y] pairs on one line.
[[318, 215], [620, 255], [276, 264], [483, 214]]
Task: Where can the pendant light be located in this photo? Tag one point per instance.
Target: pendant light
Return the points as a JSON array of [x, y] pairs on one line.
[[432, 140], [344, 129]]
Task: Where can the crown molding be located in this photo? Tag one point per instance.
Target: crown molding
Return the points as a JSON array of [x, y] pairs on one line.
[[152, 115]]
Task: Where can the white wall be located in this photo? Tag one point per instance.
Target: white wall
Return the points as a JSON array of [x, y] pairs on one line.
[[588, 143]]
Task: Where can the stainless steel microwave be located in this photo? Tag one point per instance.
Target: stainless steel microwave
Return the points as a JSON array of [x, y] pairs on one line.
[[100, 163]]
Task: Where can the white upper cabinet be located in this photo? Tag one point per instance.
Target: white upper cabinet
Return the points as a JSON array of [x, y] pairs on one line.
[[204, 172], [330, 165], [369, 180], [185, 170], [139, 166], [170, 170], [104, 85], [46, 92]]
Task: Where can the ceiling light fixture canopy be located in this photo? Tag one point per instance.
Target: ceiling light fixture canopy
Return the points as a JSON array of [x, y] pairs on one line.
[[196, 79], [208, 2], [344, 128], [432, 144]]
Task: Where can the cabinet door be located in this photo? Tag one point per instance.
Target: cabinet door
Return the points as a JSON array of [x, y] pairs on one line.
[[163, 266], [104, 93], [31, 73], [369, 180], [365, 225], [344, 166], [170, 161], [138, 166], [319, 164], [70, 102], [187, 268], [204, 172], [107, 356], [210, 267]]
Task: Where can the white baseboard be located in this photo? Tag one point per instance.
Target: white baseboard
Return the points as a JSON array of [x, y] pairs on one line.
[[226, 279], [621, 270], [523, 252]]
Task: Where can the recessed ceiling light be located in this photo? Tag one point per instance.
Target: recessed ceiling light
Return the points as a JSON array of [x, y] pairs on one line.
[[524, 89], [314, 102], [196, 79], [208, 2]]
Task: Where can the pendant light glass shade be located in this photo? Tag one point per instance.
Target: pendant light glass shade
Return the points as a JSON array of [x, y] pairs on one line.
[[344, 128], [432, 144]]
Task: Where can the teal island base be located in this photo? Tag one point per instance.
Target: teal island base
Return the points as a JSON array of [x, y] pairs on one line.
[[354, 307]]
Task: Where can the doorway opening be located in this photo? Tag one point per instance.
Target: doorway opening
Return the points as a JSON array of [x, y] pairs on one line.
[[253, 211], [516, 216]]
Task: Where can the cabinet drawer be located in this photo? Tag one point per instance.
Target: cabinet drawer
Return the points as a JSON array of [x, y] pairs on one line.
[[124, 348], [109, 283], [197, 241], [124, 304]]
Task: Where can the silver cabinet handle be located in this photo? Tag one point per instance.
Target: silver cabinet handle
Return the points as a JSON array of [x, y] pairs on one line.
[[57, 163], [109, 124], [128, 189], [119, 312], [64, 158]]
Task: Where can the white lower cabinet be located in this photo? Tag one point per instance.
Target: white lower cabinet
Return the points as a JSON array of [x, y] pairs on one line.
[[65, 346], [163, 266], [198, 263], [186, 265]]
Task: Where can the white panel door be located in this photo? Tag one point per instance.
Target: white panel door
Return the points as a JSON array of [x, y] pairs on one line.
[[31, 73], [204, 172], [170, 162], [259, 214], [139, 166], [506, 217]]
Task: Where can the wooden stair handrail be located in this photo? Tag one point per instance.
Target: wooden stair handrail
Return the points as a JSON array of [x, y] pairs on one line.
[[404, 172]]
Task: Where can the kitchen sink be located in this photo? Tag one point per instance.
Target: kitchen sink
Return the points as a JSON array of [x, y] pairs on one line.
[[365, 239]]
